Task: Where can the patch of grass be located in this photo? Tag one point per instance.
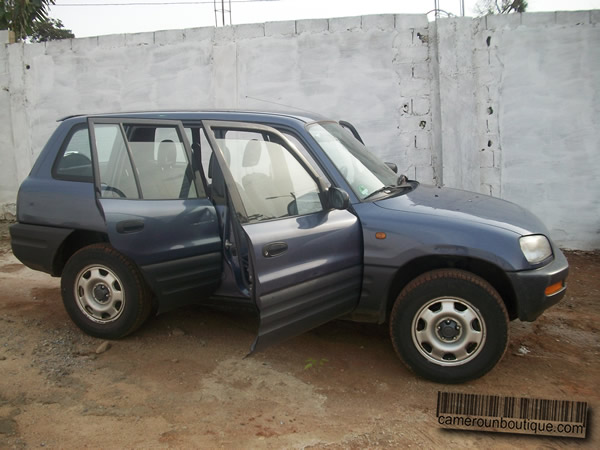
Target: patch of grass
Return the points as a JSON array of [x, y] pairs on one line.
[[312, 363]]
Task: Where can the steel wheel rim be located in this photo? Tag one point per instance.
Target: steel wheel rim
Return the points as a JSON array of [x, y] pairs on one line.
[[99, 294], [448, 331]]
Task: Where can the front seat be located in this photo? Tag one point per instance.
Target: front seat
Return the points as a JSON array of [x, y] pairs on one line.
[[260, 190]]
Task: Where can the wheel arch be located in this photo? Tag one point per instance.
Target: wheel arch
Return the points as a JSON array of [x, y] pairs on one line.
[[484, 269], [74, 242]]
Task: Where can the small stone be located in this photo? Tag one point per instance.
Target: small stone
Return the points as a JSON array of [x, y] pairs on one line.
[[81, 350], [523, 350], [103, 347], [175, 360], [2, 357], [177, 332]]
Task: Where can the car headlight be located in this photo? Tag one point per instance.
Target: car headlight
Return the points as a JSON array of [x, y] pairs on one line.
[[536, 248]]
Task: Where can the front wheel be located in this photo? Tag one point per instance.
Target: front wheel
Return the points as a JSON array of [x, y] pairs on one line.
[[449, 326], [104, 292]]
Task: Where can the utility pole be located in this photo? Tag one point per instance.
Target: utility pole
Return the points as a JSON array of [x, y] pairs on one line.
[[222, 9], [437, 10]]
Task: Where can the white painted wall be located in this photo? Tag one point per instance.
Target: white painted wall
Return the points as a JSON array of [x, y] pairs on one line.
[[540, 76], [433, 97]]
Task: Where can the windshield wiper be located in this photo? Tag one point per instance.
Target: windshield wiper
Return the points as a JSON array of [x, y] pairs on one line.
[[401, 183], [389, 189], [260, 217]]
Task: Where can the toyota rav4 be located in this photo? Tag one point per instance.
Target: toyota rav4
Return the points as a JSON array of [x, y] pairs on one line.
[[143, 212]]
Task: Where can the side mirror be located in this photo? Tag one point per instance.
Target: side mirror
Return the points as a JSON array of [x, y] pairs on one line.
[[337, 198], [392, 166]]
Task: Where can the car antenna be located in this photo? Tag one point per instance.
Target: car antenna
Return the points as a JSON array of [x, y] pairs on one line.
[[279, 104]]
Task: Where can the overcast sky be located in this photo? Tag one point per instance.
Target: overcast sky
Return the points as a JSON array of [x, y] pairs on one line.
[[119, 16]]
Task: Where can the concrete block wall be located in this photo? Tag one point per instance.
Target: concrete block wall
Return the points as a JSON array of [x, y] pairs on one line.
[[490, 104], [537, 84], [8, 177], [518, 115], [356, 68]]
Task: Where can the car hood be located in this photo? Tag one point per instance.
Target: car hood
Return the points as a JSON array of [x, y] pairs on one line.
[[465, 205]]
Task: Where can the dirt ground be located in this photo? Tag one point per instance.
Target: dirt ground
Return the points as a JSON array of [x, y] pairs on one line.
[[183, 380]]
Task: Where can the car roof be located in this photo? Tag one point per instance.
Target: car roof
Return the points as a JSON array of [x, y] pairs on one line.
[[234, 115]]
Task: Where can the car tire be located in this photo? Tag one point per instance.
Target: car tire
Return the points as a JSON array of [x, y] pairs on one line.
[[104, 293], [449, 326]]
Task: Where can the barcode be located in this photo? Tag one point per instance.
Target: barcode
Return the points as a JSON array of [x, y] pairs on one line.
[[511, 407]]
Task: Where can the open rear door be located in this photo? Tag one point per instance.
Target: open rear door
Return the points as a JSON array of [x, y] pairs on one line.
[[155, 206], [303, 259]]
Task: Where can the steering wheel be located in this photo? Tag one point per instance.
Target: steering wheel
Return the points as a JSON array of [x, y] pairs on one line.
[[119, 192]]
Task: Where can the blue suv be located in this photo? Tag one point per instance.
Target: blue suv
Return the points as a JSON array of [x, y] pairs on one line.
[[140, 213]]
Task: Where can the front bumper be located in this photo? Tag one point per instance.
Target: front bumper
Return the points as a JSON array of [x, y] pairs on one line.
[[530, 285]]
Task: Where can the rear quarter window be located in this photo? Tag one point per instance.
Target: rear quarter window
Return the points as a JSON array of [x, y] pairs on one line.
[[74, 161]]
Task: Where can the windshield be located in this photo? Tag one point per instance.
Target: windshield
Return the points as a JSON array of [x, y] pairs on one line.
[[364, 172]]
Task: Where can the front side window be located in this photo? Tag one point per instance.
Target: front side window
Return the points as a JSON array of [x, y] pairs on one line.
[[271, 181], [302, 149]]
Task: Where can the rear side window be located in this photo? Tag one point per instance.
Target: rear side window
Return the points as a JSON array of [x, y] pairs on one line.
[[74, 162], [143, 161]]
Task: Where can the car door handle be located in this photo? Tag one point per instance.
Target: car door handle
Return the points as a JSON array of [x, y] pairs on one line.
[[130, 226], [274, 249]]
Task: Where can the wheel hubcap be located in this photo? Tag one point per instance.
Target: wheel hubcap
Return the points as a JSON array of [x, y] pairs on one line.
[[448, 331], [99, 294]]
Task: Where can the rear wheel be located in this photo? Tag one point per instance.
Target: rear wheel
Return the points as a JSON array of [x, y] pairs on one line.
[[104, 292], [449, 326]]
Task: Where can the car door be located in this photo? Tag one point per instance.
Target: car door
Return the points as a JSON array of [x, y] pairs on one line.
[[304, 259], [154, 204]]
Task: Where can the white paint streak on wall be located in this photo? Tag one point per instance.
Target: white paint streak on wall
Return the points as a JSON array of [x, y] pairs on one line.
[[458, 104], [507, 105], [9, 179]]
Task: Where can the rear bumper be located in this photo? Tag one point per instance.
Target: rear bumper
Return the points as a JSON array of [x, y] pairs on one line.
[[530, 286], [36, 246]]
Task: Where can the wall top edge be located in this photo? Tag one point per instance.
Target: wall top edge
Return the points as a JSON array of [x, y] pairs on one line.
[[377, 22]]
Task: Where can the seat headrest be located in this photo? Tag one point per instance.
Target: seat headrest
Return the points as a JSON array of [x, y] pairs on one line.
[[252, 153], [167, 152]]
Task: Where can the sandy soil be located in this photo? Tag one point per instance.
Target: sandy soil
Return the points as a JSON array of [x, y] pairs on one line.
[[183, 380]]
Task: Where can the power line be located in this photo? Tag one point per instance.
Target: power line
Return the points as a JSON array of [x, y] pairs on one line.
[[204, 2]]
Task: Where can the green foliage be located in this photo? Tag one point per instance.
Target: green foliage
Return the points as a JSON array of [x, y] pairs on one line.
[[485, 7], [29, 18], [49, 30], [313, 363]]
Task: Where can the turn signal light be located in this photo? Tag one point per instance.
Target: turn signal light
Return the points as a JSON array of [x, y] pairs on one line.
[[554, 288], [380, 235]]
